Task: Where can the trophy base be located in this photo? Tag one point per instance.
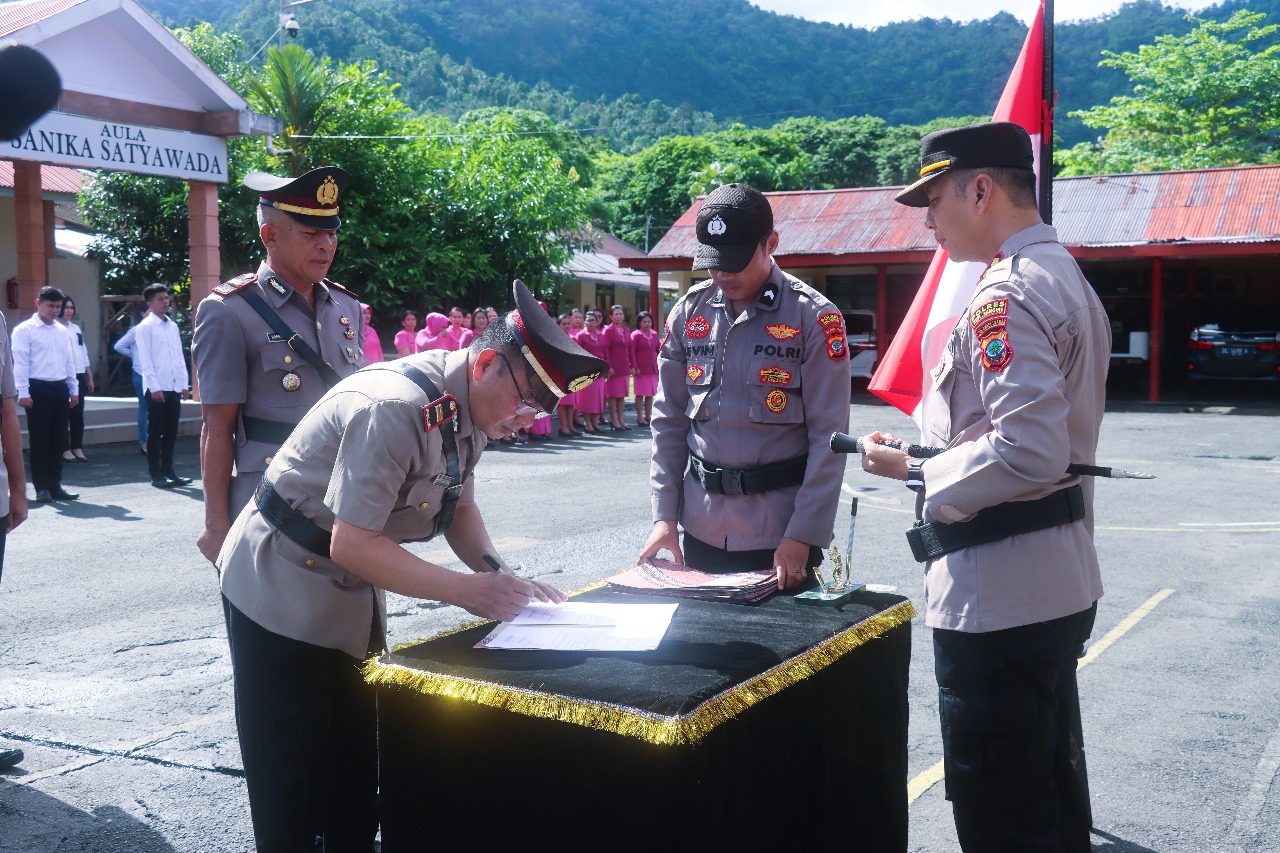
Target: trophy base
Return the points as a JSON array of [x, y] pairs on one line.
[[828, 599]]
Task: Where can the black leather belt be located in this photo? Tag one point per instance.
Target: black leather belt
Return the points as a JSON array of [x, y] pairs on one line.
[[268, 432], [747, 481], [290, 522], [933, 539]]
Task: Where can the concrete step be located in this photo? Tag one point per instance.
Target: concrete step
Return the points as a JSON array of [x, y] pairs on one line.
[[109, 420]]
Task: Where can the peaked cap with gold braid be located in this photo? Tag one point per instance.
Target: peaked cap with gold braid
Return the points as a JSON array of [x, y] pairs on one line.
[[310, 199]]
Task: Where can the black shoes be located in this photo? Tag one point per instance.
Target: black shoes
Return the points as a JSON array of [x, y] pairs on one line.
[[169, 481], [43, 496], [61, 494], [176, 480], [10, 758]]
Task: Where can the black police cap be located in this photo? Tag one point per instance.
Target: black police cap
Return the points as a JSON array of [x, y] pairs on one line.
[[311, 199], [562, 365], [995, 144], [732, 222], [31, 87]]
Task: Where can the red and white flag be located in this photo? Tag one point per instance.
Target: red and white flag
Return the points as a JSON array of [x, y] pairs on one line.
[[903, 374]]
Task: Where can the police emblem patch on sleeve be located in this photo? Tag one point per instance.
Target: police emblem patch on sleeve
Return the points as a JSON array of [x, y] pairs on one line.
[[996, 352], [832, 323], [836, 348], [439, 411]]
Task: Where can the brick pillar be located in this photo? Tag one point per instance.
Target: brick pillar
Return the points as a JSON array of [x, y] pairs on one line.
[[28, 204], [205, 246], [202, 233]]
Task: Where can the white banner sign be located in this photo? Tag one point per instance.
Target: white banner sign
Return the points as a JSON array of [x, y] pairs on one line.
[[88, 143]]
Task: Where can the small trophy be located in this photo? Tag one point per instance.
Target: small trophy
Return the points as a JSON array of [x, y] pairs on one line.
[[841, 585]]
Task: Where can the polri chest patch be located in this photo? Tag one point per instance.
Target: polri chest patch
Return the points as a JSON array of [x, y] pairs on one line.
[[697, 328]]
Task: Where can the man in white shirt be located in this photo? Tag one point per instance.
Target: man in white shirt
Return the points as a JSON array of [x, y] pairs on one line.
[[165, 382], [44, 372]]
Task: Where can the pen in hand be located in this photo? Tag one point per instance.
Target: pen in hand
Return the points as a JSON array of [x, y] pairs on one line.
[[492, 563]]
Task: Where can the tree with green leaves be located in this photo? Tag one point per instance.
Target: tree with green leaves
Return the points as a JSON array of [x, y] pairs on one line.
[[1208, 98]]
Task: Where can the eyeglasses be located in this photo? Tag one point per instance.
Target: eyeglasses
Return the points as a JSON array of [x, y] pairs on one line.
[[526, 408]]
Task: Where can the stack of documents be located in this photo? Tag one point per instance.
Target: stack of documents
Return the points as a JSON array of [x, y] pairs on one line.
[[583, 626], [663, 577]]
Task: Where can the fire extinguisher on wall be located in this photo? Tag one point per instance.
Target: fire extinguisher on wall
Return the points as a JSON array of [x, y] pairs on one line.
[[11, 292]]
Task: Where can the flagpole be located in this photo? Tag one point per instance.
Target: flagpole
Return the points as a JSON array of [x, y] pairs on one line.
[[1046, 136]]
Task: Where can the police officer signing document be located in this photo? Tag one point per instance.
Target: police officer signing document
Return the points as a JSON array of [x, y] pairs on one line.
[[1011, 576], [753, 379], [385, 457], [267, 345]]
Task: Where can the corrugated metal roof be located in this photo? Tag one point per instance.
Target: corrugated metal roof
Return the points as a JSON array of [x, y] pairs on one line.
[[16, 16], [53, 179], [1232, 205]]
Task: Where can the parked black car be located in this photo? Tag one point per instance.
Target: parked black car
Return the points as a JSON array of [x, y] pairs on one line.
[[1242, 345]]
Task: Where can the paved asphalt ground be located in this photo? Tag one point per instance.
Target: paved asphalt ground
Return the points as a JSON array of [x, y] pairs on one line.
[[114, 675]]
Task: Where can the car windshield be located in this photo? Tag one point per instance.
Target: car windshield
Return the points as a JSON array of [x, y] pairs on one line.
[[1240, 319]]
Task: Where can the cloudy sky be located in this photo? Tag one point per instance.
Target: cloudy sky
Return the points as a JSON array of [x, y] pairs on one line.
[[873, 13]]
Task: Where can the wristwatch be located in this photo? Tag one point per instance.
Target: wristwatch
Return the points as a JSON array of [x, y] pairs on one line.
[[915, 475]]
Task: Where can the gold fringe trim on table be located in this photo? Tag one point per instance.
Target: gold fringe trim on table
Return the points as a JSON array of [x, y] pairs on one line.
[[658, 729]]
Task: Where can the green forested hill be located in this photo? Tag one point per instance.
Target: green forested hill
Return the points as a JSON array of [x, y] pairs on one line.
[[604, 63]]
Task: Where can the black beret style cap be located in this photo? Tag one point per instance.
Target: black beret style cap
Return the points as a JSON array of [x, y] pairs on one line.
[[31, 87], [311, 199], [995, 144], [731, 223], [562, 365]]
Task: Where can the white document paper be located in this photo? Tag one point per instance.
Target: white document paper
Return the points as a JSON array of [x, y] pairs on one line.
[[583, 626]]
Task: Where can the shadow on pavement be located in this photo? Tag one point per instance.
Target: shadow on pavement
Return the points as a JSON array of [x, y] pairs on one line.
[[32, 820]]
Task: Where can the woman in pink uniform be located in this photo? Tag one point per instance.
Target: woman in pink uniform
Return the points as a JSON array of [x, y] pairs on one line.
[[479, 322], [455, 329], [591, 398], [407, 338], [645, 344], [565, 411], [617, 346], [372, 346], [433, 335]]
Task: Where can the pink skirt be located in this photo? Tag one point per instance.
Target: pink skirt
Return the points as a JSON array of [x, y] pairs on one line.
[[542, 426], [617, 386], [646, 384], [570, 399], [591, 398]]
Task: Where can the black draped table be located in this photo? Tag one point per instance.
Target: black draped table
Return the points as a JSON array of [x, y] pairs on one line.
[[779, 725]]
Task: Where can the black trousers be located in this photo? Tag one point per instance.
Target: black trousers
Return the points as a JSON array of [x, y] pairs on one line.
[[708, 558], [47, 432], [162, 432], [76, 416], [308, 728], [1013, 750]]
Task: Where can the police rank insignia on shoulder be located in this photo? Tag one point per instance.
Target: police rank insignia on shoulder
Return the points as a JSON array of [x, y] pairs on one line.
[[439, 411], [240, 282]]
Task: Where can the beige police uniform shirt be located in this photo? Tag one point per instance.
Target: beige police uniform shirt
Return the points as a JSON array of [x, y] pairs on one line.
[[1018, 396], [239, 359], [362, 455], [768, 385]]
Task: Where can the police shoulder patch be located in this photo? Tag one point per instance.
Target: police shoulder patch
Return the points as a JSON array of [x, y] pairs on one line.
[[989, 309], [236, 284], [439, 411], [832, 323], [333, 284], [996, 352]]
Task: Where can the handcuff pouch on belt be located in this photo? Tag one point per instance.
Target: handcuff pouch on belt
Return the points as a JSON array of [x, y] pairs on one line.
[[315, 538], [930, 540], [747, 481]]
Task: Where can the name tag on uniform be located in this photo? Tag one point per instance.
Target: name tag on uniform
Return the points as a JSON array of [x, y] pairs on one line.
[[273, 338]]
